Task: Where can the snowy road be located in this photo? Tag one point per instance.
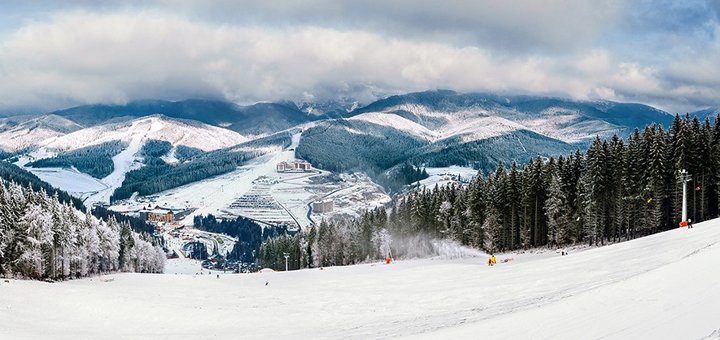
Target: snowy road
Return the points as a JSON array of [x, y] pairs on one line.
[[663, 286]]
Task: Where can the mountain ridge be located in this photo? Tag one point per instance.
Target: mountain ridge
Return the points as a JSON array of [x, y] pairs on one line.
[[429, 128]]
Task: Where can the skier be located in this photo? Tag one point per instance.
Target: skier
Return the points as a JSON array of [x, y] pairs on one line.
[[492, 260], [689, 223]]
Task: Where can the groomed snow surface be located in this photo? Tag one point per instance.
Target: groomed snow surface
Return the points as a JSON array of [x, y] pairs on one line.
[[665, 286]]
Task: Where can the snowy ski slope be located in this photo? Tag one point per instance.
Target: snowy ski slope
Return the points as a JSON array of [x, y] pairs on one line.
[[135, 133], [665, 286]]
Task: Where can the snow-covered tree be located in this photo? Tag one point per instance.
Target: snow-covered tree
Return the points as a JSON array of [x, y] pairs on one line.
[[38, 237], [44, 238], [556, 210]]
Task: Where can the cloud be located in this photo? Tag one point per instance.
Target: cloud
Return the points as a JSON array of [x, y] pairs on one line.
[[500, 25], [116, 55]]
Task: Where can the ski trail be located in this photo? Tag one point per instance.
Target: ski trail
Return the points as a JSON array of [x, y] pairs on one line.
[[521, 145], [123, 162]]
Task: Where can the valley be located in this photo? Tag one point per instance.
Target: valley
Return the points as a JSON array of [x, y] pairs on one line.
[[218, 164], [290, 193]]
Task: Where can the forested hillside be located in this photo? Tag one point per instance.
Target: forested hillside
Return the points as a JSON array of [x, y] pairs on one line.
[[485, 154], [355, 145], [94, 160], [615, 191], [347, 145]]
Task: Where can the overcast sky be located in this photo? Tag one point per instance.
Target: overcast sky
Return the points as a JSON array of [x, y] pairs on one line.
[[59, 54]]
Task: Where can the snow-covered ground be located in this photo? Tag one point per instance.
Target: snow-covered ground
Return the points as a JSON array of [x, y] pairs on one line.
[[471, 128], [183, 267], [663, 286], [292, 192], [478, 123], [22, 137], [448, 175], [135, 133], [176, 131], [123, 162], [213, 195], [31, 131], [356, 194], [74, 182]]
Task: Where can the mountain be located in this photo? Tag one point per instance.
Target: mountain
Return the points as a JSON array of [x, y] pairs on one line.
[[29, 132], [380, 150], [448, 113], [158, 127], [330, 108], [354, 145], [710, 113], [486, 153], [431, 128], [442, 128], [256, 119], [110, 151]]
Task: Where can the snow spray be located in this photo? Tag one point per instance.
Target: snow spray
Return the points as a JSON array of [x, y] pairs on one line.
[[423, 246]]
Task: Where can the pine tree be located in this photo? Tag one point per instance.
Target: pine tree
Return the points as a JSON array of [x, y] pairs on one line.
[[513, 191], [4, 229], [492, 230], [557, 212], [595, 191]]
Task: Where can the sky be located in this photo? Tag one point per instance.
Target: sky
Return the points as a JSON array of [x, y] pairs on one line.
[[56, 54]]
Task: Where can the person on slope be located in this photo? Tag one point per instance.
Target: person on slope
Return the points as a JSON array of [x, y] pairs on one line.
[[492, 260]]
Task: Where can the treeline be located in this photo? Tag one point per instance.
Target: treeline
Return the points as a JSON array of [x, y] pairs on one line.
[[137, 224], [617, 190], [336, 244], [155, 148], [42, 238], [280, 139], [94, 160], [12, 173], [250, 235]]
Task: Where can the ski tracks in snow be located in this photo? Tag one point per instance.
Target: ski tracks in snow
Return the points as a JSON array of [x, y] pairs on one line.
[[557, 281]]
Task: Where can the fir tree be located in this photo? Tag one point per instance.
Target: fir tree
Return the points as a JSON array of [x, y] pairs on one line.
[[556, 210]]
